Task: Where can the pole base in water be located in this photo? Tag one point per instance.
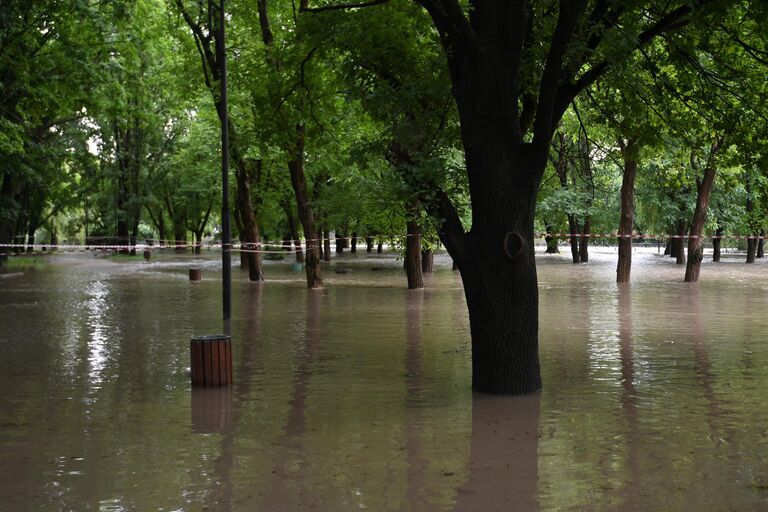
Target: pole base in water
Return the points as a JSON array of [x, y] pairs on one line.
[[211, 360]]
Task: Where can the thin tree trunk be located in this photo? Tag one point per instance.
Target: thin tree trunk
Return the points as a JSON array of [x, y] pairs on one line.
[[626, 224], [353, 246], [716, 243], [761, 245], [551, 241], [250, 229], [584, 240], [695, 240], [677, 245], [299, 183], [380, 247], [427, 261], [573, 229], [413, 255], [368, 243], [327, 245]]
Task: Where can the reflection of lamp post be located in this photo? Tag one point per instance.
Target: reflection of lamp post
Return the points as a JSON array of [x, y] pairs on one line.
[[226, 257]]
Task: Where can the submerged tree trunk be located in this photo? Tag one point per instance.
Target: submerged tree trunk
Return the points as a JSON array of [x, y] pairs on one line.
[[695, 240], [573, 229], [368, 243], [716, 243], [250, 229], [327, 245], [626, 224], [293, 228], [413, 256], [353, 245], [427, 261], [299, 183], [761, 245], [339, 242], [380, 247], [551, 241], [586, 231], [751, 249], [678, 251]]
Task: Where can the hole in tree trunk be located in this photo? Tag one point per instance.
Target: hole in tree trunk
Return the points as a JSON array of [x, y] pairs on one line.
[[513, 244]]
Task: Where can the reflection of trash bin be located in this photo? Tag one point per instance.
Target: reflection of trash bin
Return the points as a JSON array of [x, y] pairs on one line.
[[296, 267], [211, 360], [211, 409]]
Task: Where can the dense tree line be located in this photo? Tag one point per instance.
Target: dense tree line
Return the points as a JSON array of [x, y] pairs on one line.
[[471, 124]]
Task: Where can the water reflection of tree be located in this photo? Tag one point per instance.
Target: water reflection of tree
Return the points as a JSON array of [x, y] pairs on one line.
[[503, 463], [629, 402], [287, 483], [416, 463], [246, 350]]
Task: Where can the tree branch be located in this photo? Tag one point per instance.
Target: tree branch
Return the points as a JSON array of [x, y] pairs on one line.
[[339, 7]]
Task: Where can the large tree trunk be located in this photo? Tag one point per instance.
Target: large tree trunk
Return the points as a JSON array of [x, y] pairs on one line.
[[626, 224], [299, 183], [695, 241], [498, 268], [716, 243], [413, 255]]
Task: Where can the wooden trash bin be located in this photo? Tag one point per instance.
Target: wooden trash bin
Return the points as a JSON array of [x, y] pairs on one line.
[[211, 360], [195, 274], [147, 254]]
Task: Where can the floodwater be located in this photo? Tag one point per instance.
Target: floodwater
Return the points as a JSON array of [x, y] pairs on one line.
[[357, 396]]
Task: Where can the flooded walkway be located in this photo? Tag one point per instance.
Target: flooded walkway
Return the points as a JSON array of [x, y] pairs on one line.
[[357, 396]]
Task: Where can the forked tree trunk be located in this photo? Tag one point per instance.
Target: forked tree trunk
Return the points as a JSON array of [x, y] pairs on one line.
[[716, 243], [299, 183], [626, 224], [413, 256], [695, 240]]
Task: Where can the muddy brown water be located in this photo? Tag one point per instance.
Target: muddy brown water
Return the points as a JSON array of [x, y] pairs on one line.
[[357, 396]]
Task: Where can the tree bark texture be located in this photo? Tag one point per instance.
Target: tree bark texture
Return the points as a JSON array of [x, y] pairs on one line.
[[427, 261], [695, 240], [626, 222], [716, 243], [327, 245], [413, 256], [299, 183], [678, 245], [586, 231]]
